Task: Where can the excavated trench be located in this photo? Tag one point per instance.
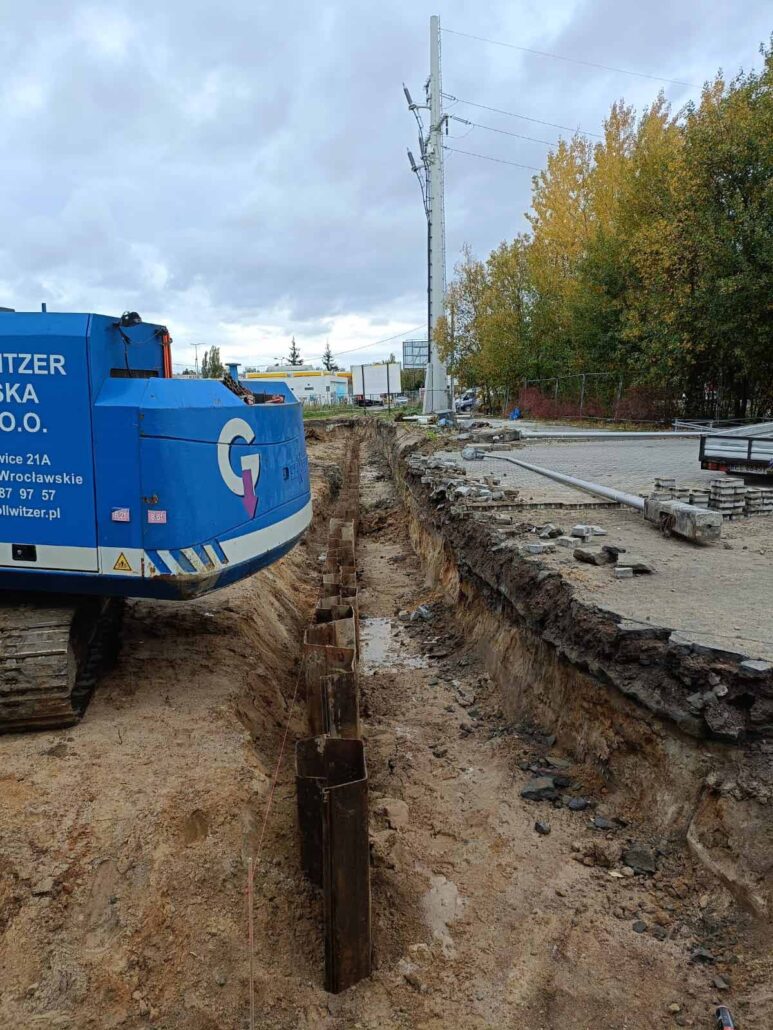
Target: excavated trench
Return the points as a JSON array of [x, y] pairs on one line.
[[557, 841], [615, 694]]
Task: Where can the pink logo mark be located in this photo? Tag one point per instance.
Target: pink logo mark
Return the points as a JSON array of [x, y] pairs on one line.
[[250, 500]]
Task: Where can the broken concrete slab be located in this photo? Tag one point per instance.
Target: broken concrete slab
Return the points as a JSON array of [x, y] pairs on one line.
[[756, 667], [541, 788], [581, 531], [549, 532], [600, 822], [641, 859], [592, 557], [545, 548], [725, 722], [613, 550], [639, 565], [685, 520]]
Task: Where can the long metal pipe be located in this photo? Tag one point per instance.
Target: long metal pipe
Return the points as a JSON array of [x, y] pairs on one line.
[[601, 434], [607, 492]]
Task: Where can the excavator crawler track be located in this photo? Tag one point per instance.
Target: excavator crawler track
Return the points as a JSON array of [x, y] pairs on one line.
[[51, 658]]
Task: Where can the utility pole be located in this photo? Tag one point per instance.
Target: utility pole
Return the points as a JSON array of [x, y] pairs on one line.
[[431, 181], [435, 389]]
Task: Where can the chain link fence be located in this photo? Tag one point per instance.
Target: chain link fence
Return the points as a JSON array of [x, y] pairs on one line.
[[408, 400]]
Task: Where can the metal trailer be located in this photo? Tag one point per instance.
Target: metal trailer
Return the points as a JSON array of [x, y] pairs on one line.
[[732, 452]]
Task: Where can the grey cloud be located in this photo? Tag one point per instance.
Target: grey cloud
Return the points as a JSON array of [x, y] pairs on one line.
[[242, 163]]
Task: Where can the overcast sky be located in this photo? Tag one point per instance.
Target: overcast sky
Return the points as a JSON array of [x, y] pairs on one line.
[[237, 170]]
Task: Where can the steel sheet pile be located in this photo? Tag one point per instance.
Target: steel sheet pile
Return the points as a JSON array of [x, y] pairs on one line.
[[331, 774]]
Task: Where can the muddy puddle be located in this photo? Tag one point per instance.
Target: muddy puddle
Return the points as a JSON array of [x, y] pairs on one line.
[[381, 647]]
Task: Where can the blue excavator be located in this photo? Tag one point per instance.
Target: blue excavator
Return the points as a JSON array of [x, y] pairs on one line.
[[119, 481]]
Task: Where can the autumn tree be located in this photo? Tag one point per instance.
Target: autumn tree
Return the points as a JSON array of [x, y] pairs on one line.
[[460, 349], [649, 258], [595, 308], [561, 226]]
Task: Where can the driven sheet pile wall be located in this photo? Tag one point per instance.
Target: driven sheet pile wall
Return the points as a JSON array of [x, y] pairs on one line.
[[331, 773]]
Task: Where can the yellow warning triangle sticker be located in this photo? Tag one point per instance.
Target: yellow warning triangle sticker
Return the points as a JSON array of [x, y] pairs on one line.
[[122, 564]]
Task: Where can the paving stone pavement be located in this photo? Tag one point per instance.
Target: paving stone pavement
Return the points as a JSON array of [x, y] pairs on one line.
[[629, 465]]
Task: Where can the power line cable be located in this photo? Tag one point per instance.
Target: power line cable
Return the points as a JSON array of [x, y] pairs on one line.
[[499, 160], [503, 132], [365, 346], [573, 60], [355, 350], [377, 343], [464, 135], [525, 117]]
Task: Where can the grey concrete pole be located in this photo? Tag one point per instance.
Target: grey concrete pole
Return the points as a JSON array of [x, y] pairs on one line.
[[435, 389], [608, 493]]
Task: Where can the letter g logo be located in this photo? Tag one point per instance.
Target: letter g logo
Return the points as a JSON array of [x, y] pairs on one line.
[[242, 485]]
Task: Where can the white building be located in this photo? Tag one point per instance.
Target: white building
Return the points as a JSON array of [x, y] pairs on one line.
[[312, 386]]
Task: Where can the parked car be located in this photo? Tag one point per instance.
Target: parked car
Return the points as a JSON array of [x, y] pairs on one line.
[[400, 399], [467, 402]]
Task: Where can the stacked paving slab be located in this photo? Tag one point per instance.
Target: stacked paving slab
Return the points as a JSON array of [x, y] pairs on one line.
[[729, 496], [759, 500]]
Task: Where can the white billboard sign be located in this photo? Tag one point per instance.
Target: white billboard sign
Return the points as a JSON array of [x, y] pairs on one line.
[[376, 380]]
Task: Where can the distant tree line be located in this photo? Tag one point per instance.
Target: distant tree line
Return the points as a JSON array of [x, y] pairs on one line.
[[650, 256], [212, 366]]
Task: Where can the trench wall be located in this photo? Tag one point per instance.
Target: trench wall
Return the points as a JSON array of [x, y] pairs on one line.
[[615, 695]]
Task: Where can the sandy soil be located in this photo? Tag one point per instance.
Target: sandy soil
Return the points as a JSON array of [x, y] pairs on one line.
[[123, 842]]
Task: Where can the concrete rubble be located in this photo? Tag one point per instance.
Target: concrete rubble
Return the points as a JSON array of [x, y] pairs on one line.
[[686, 520]]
